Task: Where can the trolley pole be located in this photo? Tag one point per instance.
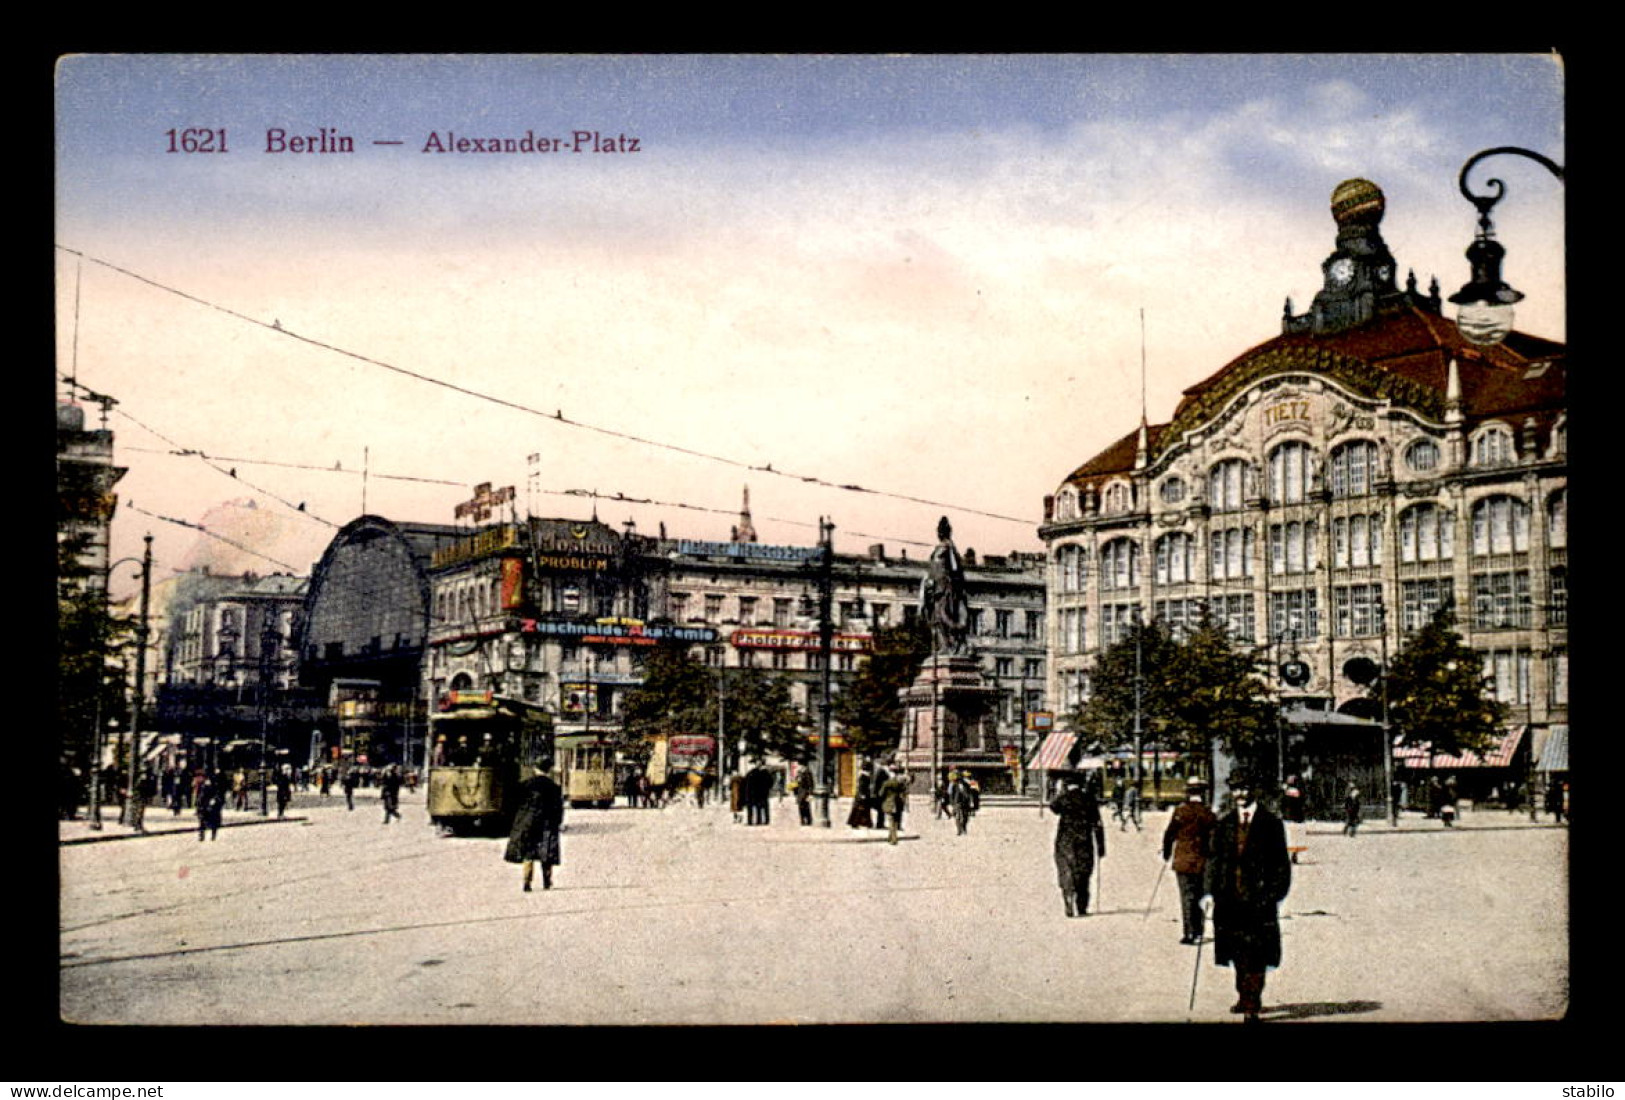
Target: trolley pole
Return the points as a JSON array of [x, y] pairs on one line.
[[826, 630], [140, 682]]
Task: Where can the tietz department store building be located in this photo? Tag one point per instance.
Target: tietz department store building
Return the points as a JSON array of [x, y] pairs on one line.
[[1326, 491]]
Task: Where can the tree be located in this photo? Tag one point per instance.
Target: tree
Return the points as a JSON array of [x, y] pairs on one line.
[[88, 694], [758, 710], [1195, 691], [869, 710], [1437, 691], [677, 696]]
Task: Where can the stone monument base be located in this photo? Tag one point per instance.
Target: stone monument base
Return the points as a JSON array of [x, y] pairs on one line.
[[950, 724]]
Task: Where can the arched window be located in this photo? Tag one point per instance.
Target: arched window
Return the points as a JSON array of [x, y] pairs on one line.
[[1120, 564], [1422, 456], [1070, 574], [1066, 505], [1289, 473], [1227, 485], [1426, 533], [1175, 559], [1172, 490], [1354, 468], [1557, 519], [1118, 498], [1500, 526], [1493, 447]]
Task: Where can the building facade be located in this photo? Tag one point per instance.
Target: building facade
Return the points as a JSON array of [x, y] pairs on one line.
[[1326, 491], [227, 661], [85, 476], [558, 613]]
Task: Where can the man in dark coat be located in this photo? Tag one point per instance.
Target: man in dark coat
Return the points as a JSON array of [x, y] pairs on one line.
[[535, 834], [210, 804], [961, 801], [1078, 839], [1248, 875], [894, 800], [389, 789], [1184, 846], [862, 799]]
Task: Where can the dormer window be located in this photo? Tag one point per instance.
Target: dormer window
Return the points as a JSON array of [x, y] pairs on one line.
[[1493, 447]]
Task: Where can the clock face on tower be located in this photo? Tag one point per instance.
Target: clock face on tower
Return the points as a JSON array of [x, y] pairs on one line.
[[1341, 271]]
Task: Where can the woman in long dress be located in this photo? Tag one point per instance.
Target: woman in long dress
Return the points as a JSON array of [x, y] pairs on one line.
[[1079, 837], [535, 835]]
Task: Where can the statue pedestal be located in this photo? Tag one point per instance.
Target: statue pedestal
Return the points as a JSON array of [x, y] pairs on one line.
[[950, 723]]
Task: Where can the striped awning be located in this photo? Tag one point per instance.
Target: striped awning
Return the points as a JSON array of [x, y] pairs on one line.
[[1555, 756], [1499, 756], [1054, 752]]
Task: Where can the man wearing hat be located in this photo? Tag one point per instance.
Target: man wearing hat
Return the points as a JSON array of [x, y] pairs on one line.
[[1079, 838], [1248, 874], [1185, 843]]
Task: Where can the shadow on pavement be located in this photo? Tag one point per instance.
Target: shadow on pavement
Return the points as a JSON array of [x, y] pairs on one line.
[[1312, 1009]]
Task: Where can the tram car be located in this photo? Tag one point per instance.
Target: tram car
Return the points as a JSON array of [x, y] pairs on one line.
[[484, 746], [586, 771]]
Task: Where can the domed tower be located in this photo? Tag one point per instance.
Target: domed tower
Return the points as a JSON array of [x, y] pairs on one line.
[[1358, 277]]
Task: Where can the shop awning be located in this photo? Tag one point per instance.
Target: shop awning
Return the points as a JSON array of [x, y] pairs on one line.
[[1555, 756], [1054, 752], [1499, 756]]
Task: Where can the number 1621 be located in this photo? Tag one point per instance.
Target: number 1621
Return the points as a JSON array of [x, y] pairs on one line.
[[193, 140]]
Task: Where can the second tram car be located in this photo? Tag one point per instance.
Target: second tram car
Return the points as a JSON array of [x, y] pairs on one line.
[[483, 747], [586, 771]]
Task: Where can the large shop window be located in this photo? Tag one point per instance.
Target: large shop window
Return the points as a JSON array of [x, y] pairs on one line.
[[1354, 468], [1175, 559], [1230, 553], [1500, 526], [1501, 600], [1289, 473], [1228, 484], [1292, 548], [1120, 564], [1426, 533]]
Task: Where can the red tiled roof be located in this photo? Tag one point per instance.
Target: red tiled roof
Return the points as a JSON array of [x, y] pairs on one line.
[[1405, 350]]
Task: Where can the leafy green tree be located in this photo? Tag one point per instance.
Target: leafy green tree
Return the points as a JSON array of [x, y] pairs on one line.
[[869, 709], [1193, 692], [757, 709], [87, 635], [677, 696], [1437, 692]]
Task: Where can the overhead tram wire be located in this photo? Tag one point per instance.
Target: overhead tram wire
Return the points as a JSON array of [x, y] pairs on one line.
[[176, 450], [190, 452], [294, 569], [557, 416]]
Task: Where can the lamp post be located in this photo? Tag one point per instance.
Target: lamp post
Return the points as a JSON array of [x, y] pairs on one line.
[[140, 678], [1484, 313], [1387, 742]]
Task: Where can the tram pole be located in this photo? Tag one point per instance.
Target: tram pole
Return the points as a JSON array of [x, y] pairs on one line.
[[140, 682], [826, 584]]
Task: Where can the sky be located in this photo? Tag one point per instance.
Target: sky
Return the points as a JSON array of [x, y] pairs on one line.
[[938, 278]]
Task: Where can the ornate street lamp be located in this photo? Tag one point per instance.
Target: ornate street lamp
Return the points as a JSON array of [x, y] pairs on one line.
[[1484, 313]]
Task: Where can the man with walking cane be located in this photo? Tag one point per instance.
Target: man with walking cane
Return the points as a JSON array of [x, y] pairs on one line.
[[1184, 845], [1248, 874]]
